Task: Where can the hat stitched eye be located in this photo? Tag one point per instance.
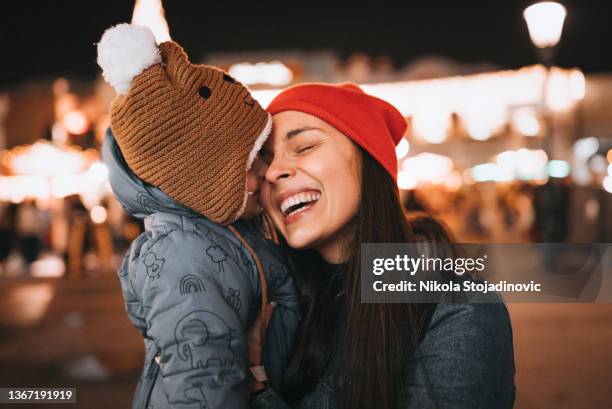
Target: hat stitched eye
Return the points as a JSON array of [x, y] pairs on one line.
[[228, 79], [205, 92]]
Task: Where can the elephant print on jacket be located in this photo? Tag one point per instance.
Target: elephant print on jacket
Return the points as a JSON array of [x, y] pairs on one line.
[[194, 334]]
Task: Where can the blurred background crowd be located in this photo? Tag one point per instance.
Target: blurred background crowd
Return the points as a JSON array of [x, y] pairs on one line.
[[518, 149]]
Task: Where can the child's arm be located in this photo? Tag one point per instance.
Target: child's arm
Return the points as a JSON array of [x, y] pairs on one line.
[[198, 298]]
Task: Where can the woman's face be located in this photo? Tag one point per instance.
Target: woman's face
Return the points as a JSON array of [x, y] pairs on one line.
[[312, 185]]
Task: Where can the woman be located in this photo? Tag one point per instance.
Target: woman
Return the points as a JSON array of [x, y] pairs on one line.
[[330, 186]]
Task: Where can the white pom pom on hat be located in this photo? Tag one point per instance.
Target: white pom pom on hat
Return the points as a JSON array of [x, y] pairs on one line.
[[124, 51]]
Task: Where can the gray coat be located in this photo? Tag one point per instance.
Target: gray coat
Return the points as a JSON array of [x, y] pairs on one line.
[[465, 361], [192, 290]]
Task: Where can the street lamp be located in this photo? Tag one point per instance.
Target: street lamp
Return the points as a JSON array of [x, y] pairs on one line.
[[545, 24]]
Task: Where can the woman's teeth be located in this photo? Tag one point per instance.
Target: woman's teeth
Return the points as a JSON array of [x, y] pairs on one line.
[[296, 202]]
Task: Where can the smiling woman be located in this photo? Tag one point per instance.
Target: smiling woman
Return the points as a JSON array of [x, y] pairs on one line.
[[330, 186], [314, 197]]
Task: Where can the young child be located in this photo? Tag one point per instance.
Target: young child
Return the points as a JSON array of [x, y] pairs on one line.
[[182, 155]]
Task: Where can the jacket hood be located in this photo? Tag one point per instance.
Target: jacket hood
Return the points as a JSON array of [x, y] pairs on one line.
[[137, 197]]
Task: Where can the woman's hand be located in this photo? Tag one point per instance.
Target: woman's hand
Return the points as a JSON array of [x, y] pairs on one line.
[[256, 339]]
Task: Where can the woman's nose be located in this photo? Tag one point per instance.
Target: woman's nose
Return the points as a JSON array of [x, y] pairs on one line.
[[278, 170]]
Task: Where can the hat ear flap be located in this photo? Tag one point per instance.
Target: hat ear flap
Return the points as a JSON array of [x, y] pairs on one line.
[[178, 68], [125, 51]]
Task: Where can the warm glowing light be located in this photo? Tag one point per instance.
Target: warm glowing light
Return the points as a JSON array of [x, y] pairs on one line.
[[609, 155], [484, 172], [65, 103], [98, 172], [558, 168], [559, 93], [585, 148], [17, 188], [406, 180], [492, 172], [430, 102], [48, 266], [91, 183], [545, 23], [599, 164], [402, 148], [577, 85], [44, 159], [150, 13], [65, 185], [453, 181], [483, 116], [94, 184], [467, 177], [607, 184], [265, 96], [272, 73], [525, 121], [581, 173], [42, 171], [76, 122], [30, 302], [522, 164], [431, 123], [530, 164], [98, 214], [59, 134], [428, 167]]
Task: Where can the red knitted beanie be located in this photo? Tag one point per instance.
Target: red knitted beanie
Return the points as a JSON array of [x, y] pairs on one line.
[[372, 123]]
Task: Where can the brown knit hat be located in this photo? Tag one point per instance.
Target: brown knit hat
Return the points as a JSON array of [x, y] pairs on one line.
[[190, 130]]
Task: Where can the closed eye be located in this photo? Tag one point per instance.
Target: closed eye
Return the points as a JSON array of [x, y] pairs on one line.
[[305, 148]]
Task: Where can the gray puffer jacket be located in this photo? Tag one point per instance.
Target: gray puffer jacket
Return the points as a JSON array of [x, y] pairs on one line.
[[192, 290], [465, 361]]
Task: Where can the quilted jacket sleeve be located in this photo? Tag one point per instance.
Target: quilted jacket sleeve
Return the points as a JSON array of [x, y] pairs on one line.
[[196, 295]]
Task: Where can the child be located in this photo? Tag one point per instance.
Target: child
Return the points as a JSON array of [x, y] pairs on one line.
[[184, 139]]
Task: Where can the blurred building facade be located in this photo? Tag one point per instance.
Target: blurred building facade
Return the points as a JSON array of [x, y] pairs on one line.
[[499, 155]]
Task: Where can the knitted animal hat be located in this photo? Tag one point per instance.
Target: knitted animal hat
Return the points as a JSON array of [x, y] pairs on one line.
[[190, 130]]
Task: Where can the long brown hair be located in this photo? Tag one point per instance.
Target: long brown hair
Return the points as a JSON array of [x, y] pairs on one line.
[[369, 344]]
